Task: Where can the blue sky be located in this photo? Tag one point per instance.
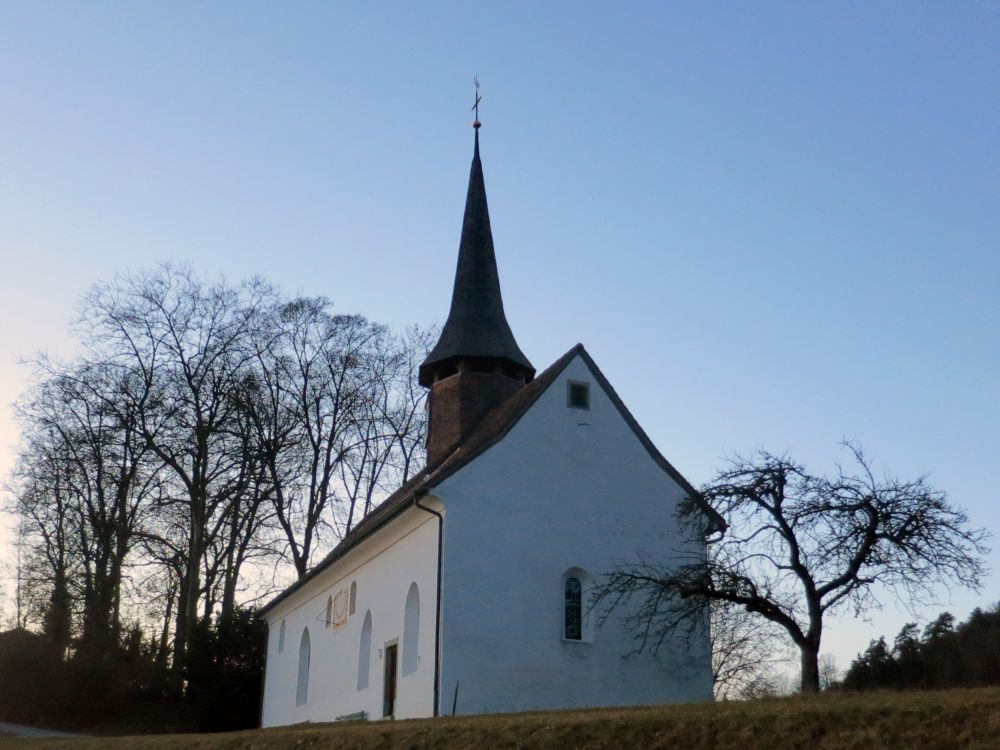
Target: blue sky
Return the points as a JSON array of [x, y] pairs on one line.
[[773, 225]]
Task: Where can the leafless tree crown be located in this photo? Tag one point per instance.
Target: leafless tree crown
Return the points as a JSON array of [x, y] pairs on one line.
[[800, 547], [210, 432]]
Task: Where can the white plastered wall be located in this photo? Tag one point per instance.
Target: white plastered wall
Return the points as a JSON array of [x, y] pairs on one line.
[[383, 566], [564, 488]]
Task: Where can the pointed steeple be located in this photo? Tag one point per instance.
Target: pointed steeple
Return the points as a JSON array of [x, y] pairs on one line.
[[476, 328], [476, 364]]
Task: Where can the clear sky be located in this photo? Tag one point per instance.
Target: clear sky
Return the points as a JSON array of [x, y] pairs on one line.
[[773, 225]]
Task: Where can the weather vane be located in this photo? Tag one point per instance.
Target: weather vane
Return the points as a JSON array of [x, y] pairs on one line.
[[475, 107]]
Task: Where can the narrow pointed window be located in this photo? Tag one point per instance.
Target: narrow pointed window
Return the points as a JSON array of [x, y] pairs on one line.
[[411, 630], [281, 637], [365, 651], [329, 610], [302, 684], [573, 620]]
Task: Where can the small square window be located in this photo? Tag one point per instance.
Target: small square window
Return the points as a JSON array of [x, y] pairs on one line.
[[577, 395]]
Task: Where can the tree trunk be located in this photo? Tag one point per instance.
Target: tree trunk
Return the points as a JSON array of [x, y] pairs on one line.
[[56, 625], [810, 669], [162, 651], [181, 626], [116, 592], [187, 606]]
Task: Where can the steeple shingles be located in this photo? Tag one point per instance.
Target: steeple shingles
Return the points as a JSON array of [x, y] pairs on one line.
[[476, 326]]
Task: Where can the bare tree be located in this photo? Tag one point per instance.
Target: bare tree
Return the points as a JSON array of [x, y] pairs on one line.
[[101, 479], [800, 547], [6, 614], [406, 414], [207, 430], [745, 649], [44, 501], [829, 672], [302, 399], [336, 417], [240, 533], [187, 340], [764, 684], [389, 435]]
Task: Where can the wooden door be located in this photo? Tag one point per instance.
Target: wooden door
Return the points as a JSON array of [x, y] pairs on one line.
[[389, 680]]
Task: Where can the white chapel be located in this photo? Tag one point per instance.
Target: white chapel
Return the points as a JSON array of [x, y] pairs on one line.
[[466, 591]]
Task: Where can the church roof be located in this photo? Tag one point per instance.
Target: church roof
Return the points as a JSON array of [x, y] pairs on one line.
[[490, 431], [476, 324]]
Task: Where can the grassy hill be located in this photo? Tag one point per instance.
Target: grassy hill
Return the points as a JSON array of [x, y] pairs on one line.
[[942, 720]]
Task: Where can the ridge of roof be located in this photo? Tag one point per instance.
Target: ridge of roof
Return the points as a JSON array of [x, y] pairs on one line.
[[494, 426], [377, 518], [498, 422], [716, 521]]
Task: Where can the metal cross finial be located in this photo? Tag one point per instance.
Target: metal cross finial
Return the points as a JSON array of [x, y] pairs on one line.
[[475, 107]]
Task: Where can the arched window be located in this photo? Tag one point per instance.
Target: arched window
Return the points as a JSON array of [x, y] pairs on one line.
[[354, 598], [573, 619], [302, 685], [411, 630], [365, 651], [281, 637], [329, 610]]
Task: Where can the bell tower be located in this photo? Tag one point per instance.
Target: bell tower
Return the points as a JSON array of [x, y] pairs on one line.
[[476, 364]]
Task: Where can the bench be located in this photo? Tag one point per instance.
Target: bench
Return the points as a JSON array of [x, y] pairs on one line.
[[356, 716]]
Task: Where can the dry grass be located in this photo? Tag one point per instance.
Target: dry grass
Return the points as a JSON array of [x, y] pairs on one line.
[[944, 720]]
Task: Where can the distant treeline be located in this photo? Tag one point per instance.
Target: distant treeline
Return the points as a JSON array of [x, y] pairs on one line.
[[943, 655], [129, 690]]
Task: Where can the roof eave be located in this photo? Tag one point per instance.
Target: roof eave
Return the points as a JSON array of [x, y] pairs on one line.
[[353, 539]]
